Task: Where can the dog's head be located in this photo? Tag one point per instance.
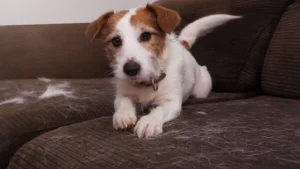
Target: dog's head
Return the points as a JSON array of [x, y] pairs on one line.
[[135, 40]]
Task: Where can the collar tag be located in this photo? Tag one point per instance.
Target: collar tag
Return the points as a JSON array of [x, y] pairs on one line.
[[153, 82], [155, 86]]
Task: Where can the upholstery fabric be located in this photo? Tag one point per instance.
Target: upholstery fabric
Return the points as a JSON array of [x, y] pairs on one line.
[[281, 73], [234, 53], [55, 51], [22, 122], [260, 133], [90, 98]]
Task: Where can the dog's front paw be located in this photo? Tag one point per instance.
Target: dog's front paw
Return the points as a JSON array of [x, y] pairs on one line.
[[148, 126], [124, 119]]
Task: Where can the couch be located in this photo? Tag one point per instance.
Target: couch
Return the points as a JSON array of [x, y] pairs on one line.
[[250, 120]]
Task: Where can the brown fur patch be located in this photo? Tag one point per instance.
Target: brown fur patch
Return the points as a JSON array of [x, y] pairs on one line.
[[108, 32], [166, 18], [145, 20], [94, 29], [109, 27], [104, 28], [185, 44]]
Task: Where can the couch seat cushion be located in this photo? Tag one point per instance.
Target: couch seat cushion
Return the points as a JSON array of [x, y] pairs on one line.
[[90, 98], [261, 133], [21, 121]]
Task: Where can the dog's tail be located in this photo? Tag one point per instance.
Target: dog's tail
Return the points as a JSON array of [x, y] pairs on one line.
[[201, 27]]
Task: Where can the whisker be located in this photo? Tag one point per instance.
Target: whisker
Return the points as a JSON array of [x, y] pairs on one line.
[[109, 74]]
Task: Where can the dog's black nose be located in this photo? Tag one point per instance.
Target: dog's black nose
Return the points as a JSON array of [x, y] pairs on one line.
[[131, 68]]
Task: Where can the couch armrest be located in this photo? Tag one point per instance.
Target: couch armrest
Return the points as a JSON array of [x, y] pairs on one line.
[[54, 51]]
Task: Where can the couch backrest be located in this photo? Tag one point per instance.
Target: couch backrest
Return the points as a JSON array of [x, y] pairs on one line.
[[55, 51], [281, 73], [234, 53]]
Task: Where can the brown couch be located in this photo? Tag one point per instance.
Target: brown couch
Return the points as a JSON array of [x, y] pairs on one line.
[[250, 120]]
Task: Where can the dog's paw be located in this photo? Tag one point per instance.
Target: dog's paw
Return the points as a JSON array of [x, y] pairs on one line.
[[124, 119], [148, 126]]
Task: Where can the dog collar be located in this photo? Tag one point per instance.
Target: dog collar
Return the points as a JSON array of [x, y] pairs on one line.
[[153, 82]]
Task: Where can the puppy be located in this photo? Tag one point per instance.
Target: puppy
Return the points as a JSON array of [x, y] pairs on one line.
[[151, 64]]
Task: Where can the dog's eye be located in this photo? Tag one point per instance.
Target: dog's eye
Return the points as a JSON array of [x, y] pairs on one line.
[[146, 36], [117, 41]]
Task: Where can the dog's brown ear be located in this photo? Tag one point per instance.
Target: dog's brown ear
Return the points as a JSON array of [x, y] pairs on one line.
[[167, 19], [93, 29]]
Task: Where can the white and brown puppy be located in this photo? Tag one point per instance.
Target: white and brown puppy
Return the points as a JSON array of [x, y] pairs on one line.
[[151, 64]]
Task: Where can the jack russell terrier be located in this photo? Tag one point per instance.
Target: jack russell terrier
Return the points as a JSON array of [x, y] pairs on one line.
[[151, 64]]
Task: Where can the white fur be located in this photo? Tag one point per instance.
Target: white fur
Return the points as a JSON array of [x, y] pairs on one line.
[[17, 100], [28, 93], [201, 112], [56, 90], [43, 79], [203, 26], [185, 77]]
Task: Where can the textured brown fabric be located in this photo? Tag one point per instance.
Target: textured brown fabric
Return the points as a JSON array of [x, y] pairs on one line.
[[260, 133], [219, 97], [58, 51], [233, 53], [281, 74], [21, 122], [90, 99]]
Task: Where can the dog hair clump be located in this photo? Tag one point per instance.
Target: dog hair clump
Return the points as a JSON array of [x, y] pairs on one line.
[[56, 90], [16, 100], [43, 79]]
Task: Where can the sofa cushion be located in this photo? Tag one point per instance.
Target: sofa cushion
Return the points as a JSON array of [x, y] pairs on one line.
[[260, 133], [281, 74], [57, 51], [233, 53], [23, 120], [223, 96]]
